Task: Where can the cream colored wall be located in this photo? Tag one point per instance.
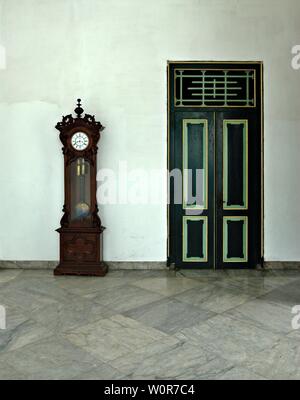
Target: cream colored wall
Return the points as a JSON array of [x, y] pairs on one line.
[[113, 54]]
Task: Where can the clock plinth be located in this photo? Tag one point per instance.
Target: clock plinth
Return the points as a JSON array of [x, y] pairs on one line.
[[81, 230], [80, 253], [100, 269]]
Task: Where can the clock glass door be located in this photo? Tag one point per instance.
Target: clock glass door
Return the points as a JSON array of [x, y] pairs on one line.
[[80, 190]]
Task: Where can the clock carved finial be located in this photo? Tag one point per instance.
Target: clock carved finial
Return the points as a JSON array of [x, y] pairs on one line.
[[78, 110]]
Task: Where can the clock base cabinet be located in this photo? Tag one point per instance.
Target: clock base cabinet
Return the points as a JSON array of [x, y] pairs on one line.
[[80, 254]]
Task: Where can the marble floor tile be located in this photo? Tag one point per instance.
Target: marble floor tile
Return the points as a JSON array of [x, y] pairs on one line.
[[29, 279], [7, 275], [102, 372], [229, 338], [284, 273], [180, 361], [286, 276], [53, 293], [110, 338], [242, 273], [60, 317], [240, 374], [287, 295], [270, 316], [251, 286], [134, 275], [169, 315], [167, 286], [203, 274], [213, 298], [15, 316], [269, 279], [124, 298], [26, 299], [294, 334], [278, 362], [43, 274], [87, 285], [8, 373], [52, 358], [23, 334], [150, 324]]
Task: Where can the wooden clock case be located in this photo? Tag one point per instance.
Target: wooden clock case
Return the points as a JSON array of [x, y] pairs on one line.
[[80, 240]]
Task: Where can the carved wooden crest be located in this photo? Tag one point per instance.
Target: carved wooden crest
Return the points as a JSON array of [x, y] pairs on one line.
[[86, 123]]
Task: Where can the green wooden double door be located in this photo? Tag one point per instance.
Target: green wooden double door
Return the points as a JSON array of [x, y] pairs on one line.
[[215, 158], [217, 223]]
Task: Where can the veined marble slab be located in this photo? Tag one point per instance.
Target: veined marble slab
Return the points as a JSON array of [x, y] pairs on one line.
[[111, 338]]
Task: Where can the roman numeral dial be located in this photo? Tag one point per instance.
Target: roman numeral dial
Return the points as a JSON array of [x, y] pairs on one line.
[[80, 141]]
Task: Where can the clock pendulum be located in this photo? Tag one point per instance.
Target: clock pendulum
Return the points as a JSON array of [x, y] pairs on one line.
[[80, 226], [82, 209]]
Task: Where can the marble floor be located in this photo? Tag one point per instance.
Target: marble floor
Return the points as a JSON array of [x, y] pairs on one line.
[[150, 325]]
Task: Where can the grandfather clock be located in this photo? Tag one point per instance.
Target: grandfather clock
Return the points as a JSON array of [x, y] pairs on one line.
[[80, 227]]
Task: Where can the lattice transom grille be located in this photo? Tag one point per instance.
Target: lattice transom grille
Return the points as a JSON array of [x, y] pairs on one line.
[[214, 88]]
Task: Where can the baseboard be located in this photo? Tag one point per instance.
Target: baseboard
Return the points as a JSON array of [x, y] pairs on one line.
[[4, 264], [137, 265], [287, 265], [113, 265], [132, 265]]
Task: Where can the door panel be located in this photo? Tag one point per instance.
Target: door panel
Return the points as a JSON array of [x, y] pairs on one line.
[[235, 239], [195, 239], [195, 164], [193, 217], [235, 164]]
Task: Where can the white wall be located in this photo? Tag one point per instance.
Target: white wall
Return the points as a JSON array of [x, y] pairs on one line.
[[113, 54]]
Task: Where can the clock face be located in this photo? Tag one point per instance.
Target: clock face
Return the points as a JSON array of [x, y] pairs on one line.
[[80, 141]]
